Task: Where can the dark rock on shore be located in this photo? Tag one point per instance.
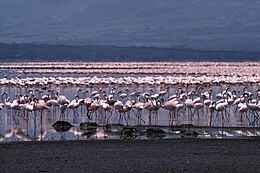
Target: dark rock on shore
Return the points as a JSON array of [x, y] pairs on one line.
[[62, 126]]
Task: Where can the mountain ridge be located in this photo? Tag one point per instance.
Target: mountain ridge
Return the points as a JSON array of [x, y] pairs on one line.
[[197, 24], [35, 52]]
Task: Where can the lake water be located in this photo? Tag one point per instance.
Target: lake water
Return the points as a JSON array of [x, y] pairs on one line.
[[28, 126]]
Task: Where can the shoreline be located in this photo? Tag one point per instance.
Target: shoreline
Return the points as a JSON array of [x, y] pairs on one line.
[[178, 155]]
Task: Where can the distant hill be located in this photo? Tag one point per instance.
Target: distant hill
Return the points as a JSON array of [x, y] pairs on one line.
[[196, 24], [32, 52]]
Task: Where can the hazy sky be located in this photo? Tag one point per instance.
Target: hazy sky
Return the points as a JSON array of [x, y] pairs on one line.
[[203, 24]]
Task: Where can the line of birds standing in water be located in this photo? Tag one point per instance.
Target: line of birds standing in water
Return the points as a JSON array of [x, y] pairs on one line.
[[99, 105]]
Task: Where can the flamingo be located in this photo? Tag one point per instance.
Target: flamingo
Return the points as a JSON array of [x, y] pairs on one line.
[[243, 109], [107, 108], [171, 105], [7, 101], [129, 104], [212, 108], [63, 102], [135, 95], [164, 92], [94, 106], [61, 99], [154, 96], [221, 108], [40, 105], [152, 106], [207, 97], [122, 95], [74, 104], [190, 105], [123, 110], [52, 103], [253, 107], [139, 106]]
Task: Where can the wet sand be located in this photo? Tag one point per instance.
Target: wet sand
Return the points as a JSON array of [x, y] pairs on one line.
[[180, 155]]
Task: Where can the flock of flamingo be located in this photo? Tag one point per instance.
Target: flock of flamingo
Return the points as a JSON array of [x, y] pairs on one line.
[[238, 69], [209, 99], [101, 106], [130, 81]]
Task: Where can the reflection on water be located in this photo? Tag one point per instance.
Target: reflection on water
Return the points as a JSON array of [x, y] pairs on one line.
[[23, 125]]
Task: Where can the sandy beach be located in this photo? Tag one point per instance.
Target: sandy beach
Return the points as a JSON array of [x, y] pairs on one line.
[[180, 155]]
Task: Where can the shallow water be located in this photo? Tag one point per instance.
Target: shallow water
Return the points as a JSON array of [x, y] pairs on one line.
[[28, 126]]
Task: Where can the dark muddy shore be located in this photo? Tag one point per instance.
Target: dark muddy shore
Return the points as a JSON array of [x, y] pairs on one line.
[[180, 155]]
